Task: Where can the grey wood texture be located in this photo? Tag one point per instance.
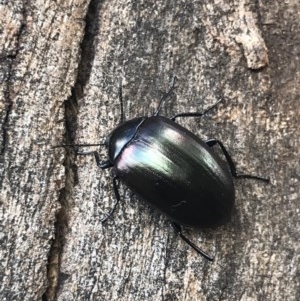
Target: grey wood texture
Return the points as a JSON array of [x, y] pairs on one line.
[[60, 67]]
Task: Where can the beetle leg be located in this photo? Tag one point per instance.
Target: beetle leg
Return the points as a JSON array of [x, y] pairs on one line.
[[195, 114], [118, 198], [165, 96], [235, 174], [177, 229], [102, 165]]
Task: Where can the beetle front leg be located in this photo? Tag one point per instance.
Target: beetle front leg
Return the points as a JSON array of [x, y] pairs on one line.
[[235, 174], [102, 165], [118, 198], [177, 229], [195, 114]]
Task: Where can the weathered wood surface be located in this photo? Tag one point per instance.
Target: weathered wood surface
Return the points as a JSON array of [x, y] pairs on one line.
[[53, 245]]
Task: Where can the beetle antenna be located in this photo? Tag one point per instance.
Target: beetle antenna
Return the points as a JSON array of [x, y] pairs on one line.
[[122, 119], [80, 145], [165, 96]]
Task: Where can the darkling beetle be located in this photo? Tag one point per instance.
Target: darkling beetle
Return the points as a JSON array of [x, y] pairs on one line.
[[172, 169]]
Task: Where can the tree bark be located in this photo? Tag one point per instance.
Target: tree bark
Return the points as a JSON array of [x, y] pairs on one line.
[[61, 65]]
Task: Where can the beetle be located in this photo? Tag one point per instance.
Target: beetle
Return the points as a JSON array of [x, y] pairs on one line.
[[169, 167]]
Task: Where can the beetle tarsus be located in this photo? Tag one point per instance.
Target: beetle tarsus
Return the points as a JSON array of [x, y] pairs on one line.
[[243, 176], [178, 230], [118, 198]]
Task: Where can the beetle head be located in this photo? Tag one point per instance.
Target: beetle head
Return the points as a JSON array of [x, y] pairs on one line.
[[121, 136]]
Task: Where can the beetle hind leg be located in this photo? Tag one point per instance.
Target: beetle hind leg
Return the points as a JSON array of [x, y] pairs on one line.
[[178, 230], [235, 174]]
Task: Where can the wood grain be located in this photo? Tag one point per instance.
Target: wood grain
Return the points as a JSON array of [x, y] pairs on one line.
[[61, 63]]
